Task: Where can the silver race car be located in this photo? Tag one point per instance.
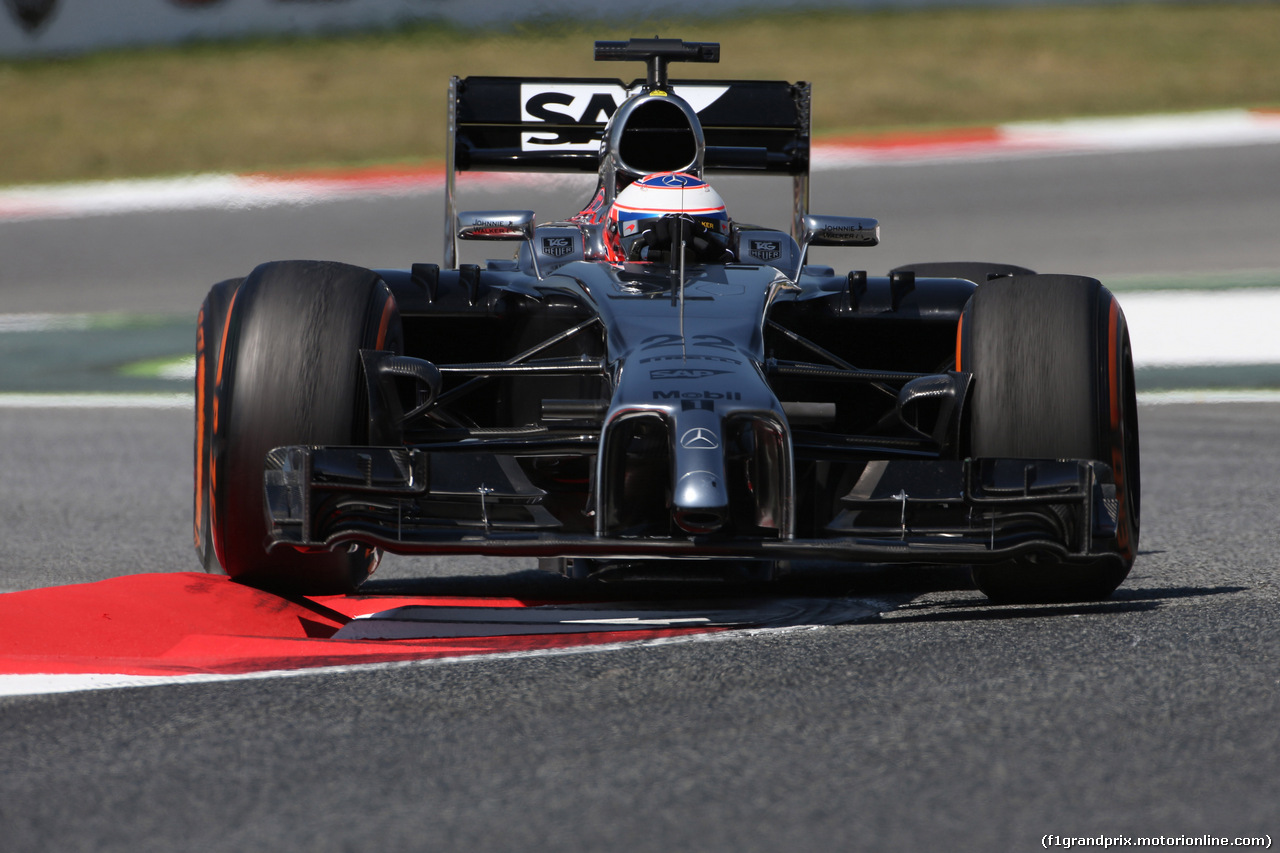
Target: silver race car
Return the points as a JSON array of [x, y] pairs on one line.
[[651, 389]]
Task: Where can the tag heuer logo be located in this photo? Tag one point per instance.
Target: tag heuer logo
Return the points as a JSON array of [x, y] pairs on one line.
[[557, 247], [766, 250], [684, 373]]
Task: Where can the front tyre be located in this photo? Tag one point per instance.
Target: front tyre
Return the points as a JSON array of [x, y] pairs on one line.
[[211, 324], [290, 374], [1053, 379]]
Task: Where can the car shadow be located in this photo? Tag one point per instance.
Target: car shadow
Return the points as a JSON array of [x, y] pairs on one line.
[[481, 605], [900, 594], [979, 608], [820, 582]]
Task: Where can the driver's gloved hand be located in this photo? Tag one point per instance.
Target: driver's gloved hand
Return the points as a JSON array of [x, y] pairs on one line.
[[656, 241]]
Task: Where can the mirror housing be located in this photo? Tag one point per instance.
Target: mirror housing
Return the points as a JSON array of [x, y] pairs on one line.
[[495, 225], [501, 225], [821, 230], [840, 231]]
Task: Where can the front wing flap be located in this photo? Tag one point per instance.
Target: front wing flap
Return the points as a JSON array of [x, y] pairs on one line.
[[413, 501]]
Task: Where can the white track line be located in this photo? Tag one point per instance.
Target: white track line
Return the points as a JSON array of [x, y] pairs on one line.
[[1213, 129], [1188, 328], [41, 684], [1206, 397], [97, 401], [1169, 329]]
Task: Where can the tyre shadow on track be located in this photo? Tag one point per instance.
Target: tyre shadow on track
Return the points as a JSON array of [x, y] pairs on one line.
[[894, 584], [980, 609], [527, 602], [833, 579], [935, 594]]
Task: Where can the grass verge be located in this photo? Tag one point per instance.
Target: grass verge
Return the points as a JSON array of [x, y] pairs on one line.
[[271, 105]]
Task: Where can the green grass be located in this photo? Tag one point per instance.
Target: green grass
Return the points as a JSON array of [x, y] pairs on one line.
[[271, 105]]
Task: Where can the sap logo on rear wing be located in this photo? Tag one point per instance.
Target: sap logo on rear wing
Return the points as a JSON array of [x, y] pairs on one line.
[[588, 106]]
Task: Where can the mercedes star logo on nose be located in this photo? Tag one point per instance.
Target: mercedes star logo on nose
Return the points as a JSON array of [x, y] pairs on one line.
[[699, 438]]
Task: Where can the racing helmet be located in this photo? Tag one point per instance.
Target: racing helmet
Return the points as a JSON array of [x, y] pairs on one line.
[[665, 193]]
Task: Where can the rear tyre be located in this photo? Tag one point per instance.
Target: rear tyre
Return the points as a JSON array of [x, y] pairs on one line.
[[1053, 378], [210, 325], [290, 374]]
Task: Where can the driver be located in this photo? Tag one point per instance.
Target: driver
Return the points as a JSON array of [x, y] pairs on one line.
[[648, 217]]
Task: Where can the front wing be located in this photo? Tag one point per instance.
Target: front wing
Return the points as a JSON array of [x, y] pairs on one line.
[[413, 501]]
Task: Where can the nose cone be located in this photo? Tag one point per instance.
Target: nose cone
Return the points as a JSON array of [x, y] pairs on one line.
[[701, 502]]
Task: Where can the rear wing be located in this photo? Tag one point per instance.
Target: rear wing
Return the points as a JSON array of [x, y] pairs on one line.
[[556, 125]]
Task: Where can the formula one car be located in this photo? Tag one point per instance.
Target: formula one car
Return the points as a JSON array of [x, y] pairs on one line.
[[649, 389]]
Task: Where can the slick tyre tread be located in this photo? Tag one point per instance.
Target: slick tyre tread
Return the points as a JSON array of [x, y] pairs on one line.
[[1053, 378], [290, 374]]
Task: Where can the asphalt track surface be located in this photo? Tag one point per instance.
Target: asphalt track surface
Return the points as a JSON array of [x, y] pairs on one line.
[[944, 723], [1188, 211]]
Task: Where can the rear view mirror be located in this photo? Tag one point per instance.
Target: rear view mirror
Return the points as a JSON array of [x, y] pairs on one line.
[[496, 225], [822, 230], [499, 225], [840, 231]]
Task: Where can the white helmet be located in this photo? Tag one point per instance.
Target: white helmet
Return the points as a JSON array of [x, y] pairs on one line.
[[664, 193]]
